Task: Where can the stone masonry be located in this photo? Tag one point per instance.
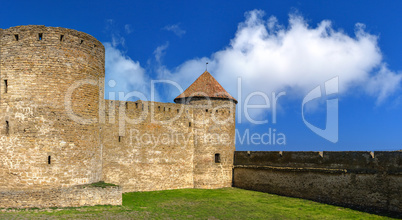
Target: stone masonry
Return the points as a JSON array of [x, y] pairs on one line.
[[371, 181], [41, 146], [57, 131], [58, 135]]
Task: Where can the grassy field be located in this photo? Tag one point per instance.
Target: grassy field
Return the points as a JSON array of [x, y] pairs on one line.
[[228, 203]]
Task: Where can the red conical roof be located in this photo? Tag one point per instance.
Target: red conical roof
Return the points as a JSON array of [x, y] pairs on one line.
[[205, 86]]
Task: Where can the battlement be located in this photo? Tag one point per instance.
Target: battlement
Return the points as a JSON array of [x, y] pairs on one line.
[[344, 161], [163, 112], [40, 35]]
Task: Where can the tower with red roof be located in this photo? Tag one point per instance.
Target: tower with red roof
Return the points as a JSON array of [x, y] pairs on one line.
[[213, 120]]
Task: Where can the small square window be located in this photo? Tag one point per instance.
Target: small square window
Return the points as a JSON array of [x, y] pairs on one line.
[[217, 158]]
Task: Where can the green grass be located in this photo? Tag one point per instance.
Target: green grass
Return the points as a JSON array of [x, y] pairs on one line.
[[228, 203]]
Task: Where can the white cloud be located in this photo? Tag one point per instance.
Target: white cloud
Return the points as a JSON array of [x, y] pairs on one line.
[[127, 74], [112, 29], [128, 28], [383, 84], [270, 57], [159, 52], [118, 40], [175, 28]]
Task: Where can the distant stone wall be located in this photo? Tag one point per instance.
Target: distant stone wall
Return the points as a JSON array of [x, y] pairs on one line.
[[364, 180], [62, 197]]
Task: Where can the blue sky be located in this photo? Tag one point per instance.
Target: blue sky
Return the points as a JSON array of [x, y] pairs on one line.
[[272, 46]]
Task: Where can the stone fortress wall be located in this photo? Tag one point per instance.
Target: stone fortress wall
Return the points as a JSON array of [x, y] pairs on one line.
[[364, 180], [58, 132], [168, 146]]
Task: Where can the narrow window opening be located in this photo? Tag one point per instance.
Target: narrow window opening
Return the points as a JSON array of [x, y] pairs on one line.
[[217, 158], [164, 109], [16, 37], [49, 159], [206, 110], [169, 109], [126, 105], [178, 110], [189, 124], [82, 41], [7, 128], [229, 112], [120, 138], [136, 105], [5, 86], [61, 37], [94, 45], [143, 107], [40, 35], [159, 108]]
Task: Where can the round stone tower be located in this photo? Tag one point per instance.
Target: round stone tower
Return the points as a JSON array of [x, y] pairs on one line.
[[51, 82], [213, 117]]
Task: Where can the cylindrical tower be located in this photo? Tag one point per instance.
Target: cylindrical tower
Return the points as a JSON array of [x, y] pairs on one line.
[[51, 82]]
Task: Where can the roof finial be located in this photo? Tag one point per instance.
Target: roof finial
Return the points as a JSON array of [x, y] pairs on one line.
[[206, 66]]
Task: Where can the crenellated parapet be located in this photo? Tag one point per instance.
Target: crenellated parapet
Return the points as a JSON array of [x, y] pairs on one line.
[[40, 35]]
